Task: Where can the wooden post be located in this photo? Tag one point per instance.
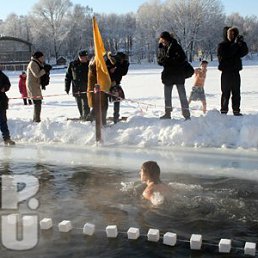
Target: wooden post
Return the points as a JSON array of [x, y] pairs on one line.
[[98, 113]]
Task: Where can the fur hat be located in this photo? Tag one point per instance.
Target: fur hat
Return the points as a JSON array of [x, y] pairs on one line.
[[165, 35], [38, 54], [83, 53]]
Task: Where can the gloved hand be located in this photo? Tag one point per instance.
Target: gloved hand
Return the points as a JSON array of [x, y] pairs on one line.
[[239, 38], [47, 67], [161, 45]]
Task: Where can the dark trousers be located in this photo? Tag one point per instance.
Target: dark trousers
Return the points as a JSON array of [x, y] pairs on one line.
[[230, 85], [182, 97], [116, 111], [25, 101], [82, 104], [37, 110], [3, 125]]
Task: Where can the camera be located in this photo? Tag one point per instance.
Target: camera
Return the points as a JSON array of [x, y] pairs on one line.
[[239, 38]]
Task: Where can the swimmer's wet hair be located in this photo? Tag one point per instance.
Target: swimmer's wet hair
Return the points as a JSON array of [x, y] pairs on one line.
[[152, 170]]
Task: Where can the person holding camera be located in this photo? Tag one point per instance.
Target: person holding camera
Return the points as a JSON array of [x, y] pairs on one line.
[[172, 57], [229, 53], [35, 71]]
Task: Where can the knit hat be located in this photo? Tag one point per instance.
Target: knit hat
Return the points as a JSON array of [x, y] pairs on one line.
[[38, 54], [165, 35], [83, 53]]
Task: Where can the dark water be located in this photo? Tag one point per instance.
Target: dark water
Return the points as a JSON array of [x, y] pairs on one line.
[[214, 206]]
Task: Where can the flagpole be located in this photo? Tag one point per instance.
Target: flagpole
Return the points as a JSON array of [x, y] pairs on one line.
[[102, 77], [98, 113]]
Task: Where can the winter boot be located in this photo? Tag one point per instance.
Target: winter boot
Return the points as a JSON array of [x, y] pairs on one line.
[[37, 111], [237, 113], [9, 142], [167, 114], [91, 116]]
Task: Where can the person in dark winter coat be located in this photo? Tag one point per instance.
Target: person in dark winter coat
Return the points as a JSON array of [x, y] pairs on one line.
[[77, 75], [4, 87], [172, 57], [117, 67], [35, 71], [230, 52], [22, 88]]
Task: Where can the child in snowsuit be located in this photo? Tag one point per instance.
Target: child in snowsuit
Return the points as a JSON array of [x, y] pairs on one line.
[[23, 89]]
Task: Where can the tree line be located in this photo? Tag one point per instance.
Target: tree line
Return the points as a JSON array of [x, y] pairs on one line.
[[59, 28]]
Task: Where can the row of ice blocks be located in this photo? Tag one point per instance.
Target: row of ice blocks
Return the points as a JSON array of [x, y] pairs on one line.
[[153, 235]]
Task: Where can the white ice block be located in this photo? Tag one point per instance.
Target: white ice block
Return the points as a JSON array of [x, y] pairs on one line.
[[196, 242], [153, 235], [224, 245], [88, 229], [250, 248], [46, 223], [133, 233], [169, 239], [65, 226], [111, 231]]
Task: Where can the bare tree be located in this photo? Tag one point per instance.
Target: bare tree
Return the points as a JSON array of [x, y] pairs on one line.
[[16, 26], [58, 28], [49, 18], [188, 19], [149, 24], [79, 30], [118, 31]]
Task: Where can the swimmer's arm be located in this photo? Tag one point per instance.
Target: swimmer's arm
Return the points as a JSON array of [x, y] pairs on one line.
[[148, 193]]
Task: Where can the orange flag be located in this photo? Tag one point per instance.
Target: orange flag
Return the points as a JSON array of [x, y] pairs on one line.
[[103, 78]]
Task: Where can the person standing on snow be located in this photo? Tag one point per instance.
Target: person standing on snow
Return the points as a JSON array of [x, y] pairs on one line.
[[197, 92], [77, 74], [229, 53], [117, 65], [4, 86], [172, 57], [35, 71], [22, 88]]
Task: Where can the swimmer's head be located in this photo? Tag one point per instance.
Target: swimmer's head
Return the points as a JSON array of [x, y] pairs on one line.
[[150, 171]]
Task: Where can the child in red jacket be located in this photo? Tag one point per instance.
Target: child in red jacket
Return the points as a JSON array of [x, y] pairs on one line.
[[23, 89]]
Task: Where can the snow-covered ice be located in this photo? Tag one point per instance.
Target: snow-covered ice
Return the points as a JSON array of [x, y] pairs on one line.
[[144, 105]]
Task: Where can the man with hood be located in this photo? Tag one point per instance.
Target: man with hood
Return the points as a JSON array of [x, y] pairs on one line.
[[172, 57], [230, 52]]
